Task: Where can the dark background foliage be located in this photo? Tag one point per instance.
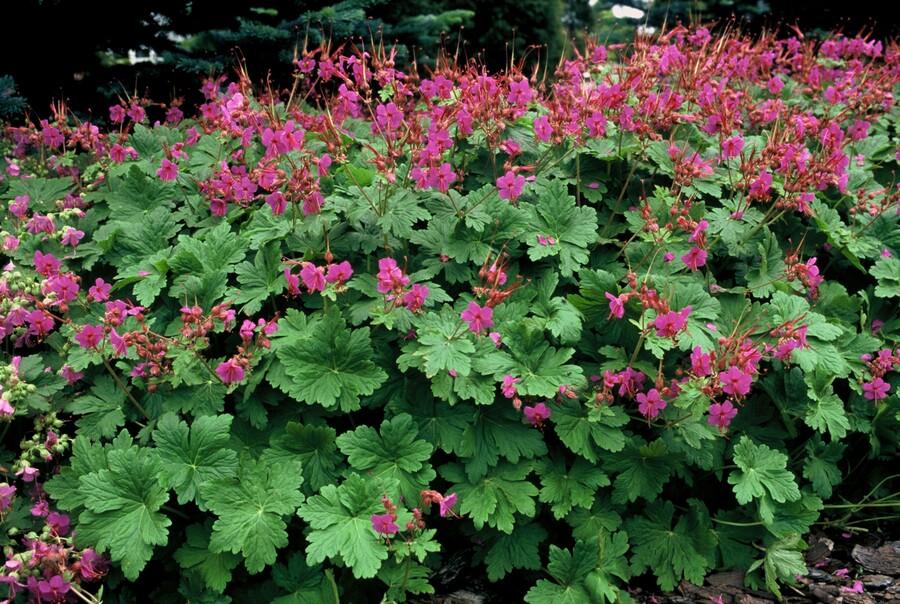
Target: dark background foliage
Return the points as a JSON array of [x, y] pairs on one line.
[[77, 51]]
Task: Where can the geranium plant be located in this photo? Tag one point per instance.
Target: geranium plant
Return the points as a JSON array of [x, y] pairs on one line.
[[309, 345]]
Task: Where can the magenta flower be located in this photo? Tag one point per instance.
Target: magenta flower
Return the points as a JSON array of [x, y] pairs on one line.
[[721, 414], [701, 365], [876, 390], [446, 504], [93, 565], [616, 306], [339, 273], [415, 298], [695, 258], [90, 336], [7, 493], [230, 371], [735, 382], [479, 318], [390, 276], [18, 207], [651, 403], [277, 202], [508, 387], [168, 170], [537, 414], [313, 277], [669, 324], [384, 524], [120, 348], [292, 281], [46, 264], [6, 411], [99, 292], [510, 185], [71, 236], [117, 114], [53, 590], [542, 129]]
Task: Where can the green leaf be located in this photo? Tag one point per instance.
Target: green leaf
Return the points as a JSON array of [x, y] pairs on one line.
[[541, 368], [313, 446], [333, 366], [214, 568], [568, 571], [762, 471], [340, 519], [441, 344], [671, 550], [586, 431], [101, 410], [395, 454], [644, 470], [573, 228], [122, 505], [887, 272], [259, 280], [192, 456], [251, 510], [820, 466], [516, 550], [565, 488], [783, 562], [494, 499], [497, 431]]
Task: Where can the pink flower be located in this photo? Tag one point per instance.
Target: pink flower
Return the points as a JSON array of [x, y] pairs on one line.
[[510, 185], [293, 282], [99, 292], [775, 85], [71, 236], [446, 504], [542, 129], [54, 590], [508, 387], [857, 588], [390, 276], [6, 411], [384, 524], [616, 306], [700, 362], [495, 338], [415, 298], [277, 202], [18, 207], [46, 264], [339, 273], [313, 277], [651, 403], [537, 414], [90, 336], [735, 382], [668, 257], [721, 414], [230, 371], [479, 318], [120, 348], [695, 258], [10, 243], [761, 185], [117, 114], [669, 324], [7, 493], [168, 171], [876, 390]]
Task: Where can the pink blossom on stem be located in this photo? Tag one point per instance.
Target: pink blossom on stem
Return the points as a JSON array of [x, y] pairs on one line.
[[477, 317], [230, 371], [651, 403], [735, 382], [510, 185], [721, 414], [384, 524], [876, 390], [537, 414]]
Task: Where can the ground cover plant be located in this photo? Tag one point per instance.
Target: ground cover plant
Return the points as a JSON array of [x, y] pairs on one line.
[[629, 324]]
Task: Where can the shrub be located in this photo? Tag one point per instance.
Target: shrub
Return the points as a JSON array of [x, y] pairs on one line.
[[312, 346]]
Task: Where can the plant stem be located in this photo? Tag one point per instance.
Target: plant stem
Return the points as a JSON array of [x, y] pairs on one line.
[[124, 388]]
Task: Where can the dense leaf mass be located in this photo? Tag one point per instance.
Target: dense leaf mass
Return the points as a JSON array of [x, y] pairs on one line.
[[633, 323]]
